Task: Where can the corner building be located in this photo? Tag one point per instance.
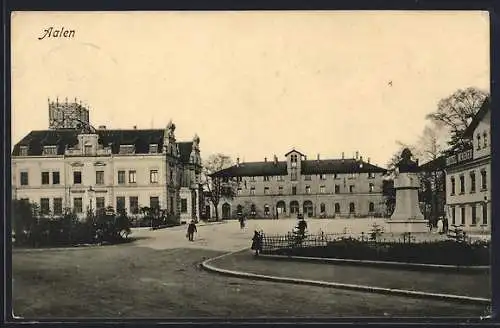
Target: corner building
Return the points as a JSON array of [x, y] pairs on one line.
[[317, 188], [87, 169]]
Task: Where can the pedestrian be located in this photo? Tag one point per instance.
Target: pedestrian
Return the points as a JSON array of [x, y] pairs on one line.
[[440, 226], [257, 242], [191, 230]]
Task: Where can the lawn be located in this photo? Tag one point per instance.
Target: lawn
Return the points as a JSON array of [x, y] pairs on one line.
[[128, 281]]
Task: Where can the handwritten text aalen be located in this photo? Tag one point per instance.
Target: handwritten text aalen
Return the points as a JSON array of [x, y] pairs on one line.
[[52, 32]]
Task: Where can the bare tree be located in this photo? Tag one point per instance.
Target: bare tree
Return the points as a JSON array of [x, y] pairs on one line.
[[456, 112], [217, 185]]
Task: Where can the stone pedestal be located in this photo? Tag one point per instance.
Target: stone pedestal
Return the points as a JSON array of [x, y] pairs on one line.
[[407, 216]]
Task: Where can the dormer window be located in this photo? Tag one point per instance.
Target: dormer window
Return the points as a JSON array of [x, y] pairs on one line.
[[293, 159], [23, 151], [485, 139], [87, 150], [127, 149], [50, 150], [153, 148]]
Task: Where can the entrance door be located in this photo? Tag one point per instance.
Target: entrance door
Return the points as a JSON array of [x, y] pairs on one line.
[[226, 211]]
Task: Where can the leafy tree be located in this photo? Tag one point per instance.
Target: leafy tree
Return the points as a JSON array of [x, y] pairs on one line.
[[455, 112], [217, 185]]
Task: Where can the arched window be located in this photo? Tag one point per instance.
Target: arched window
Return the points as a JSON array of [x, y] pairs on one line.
[[253, 212], [352, 208], [294, 207], [337, 208], [266, 210], [322, 208], [226, 211], [371, 207], [308, 208], [281, 206]]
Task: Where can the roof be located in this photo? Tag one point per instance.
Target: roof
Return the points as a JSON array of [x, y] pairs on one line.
[[307, 167], [63, 138], [294, 151], [434, 165], [253, 169], [485, 108]]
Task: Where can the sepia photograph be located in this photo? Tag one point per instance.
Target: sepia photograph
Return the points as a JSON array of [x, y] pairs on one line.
[[250, 164]]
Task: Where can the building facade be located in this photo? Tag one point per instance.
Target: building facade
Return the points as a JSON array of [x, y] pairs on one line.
[[316, 188], [468, 178], [87, 169]]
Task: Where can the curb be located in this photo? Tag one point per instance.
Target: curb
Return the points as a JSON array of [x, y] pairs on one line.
[[388, 291], [412, 266]]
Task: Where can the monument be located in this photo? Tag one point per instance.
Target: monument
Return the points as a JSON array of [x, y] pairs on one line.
[[407, 216]]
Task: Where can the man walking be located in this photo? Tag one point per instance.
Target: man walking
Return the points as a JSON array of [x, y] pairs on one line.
[[191, 230]]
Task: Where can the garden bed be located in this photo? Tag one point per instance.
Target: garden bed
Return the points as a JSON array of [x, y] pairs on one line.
[[447, 252]]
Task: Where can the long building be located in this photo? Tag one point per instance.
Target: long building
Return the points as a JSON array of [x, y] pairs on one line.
[[345, 187], [83, 169], [468, 177]]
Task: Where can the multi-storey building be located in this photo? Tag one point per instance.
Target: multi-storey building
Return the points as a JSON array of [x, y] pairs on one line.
[[468, 177], [319, 188], [88, 169]]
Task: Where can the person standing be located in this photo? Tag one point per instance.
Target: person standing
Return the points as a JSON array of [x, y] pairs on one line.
[[191, 230], [257, 242]]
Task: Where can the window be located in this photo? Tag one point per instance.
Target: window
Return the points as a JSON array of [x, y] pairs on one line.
[[78, 205], [337, 189], [154, 202], [153, 176], [307, 177], [453, 218], [484, 184], [87, 150], [280, 190], [294, 190], [134, 204], [184, 205], [56, 179], [279, 178], [322, 208], [58, 206], [266, 190], [352, 176], [293, 176], [45, 178], [452, 179], [322, 189], [485, 139], [337, 208], [77, 177], [239, 179], [322, 177], [126, 149], [308, 189], [352, 208], [371, 207], [472, 182], [132, 176], [252, 190], [485, 214], [351, 188], [462, 184], [462, 215], [371, 175], [238, 191], [371, 187], [99, 177], [252, 209], [44, 206], [153, 148], [120, 203], [478, 141], [24, 178], [23, 151], [252, 179], [121, 177], [293, 159], [266, 210], [473, 214], [266, 178], [50, 150], [99, 203]]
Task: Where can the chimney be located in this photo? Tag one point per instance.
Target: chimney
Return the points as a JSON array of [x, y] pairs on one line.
[[342, 155], [368, 160], [265, 159], [318, 157], [275, 159]]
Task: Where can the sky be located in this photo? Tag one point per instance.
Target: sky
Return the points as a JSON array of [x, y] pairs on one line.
[[252, 84]]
